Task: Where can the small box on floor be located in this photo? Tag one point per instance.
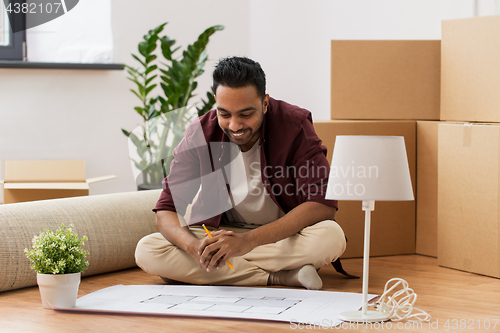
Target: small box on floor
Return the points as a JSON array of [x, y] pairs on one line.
[[42, 180]]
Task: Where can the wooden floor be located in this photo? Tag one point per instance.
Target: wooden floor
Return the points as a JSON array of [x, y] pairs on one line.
[[467, 302]]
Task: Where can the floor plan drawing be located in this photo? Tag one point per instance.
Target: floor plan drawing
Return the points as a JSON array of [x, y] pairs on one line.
[[276, 304]]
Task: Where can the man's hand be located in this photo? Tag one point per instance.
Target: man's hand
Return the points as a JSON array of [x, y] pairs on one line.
[[224, 245]]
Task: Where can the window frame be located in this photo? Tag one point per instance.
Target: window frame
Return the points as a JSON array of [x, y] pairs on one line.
[[15, 50]]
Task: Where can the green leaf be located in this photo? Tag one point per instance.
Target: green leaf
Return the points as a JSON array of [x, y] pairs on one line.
[[139, 60], [143, 48], [125, 132], [148, 81], [138, 165], [133, 79], [131, 73], [137, 142], [162, 100], [150, 58], [141, 90], [174, 100], [139, 110], [137, 94], [150, 69], [166, 47], [159, 28], [167, 89], [152, 112], [148, 89], [207, 105], [165, 108], [131, 70]]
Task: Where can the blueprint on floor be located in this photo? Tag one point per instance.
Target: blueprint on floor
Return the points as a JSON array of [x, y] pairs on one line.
[[276, 304]]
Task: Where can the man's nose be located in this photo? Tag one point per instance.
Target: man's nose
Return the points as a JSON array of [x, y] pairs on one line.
[[235, 125]]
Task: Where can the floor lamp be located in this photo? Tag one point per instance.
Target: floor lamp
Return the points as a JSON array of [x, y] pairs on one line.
[[369, 169]]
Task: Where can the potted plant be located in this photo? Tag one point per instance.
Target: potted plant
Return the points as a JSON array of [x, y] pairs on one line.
[[164, 117], [59, 259]]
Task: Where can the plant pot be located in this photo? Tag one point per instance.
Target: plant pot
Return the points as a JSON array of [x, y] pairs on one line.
[[59, 290], [146, 187]]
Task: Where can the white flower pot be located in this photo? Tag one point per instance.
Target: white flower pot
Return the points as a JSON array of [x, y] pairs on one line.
[[60, 290]]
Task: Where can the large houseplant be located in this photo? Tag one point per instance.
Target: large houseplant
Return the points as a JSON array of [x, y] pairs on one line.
[[59, 259], [165, 117]]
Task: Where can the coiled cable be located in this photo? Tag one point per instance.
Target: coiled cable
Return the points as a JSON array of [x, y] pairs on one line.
[[399, 304]]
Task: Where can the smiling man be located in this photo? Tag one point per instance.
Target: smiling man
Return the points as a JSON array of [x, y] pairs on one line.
[[263, 201]]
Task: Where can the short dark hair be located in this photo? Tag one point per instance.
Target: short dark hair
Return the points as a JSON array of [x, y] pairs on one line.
[[237, 72]]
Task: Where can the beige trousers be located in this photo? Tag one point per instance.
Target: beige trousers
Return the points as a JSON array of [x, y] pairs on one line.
[[318, 245]]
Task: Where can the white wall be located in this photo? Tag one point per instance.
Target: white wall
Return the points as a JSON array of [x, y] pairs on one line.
[[78, 114]]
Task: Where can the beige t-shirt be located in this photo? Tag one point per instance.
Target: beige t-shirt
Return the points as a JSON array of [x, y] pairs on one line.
[[253, 204]]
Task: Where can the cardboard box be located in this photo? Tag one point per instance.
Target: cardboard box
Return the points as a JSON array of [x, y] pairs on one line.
[[393, 222], [427, 188], [42, 180], [385, 79], [468, 197], [470, 70]]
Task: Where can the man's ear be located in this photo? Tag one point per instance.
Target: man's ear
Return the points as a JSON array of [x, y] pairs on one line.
[[265, 103]]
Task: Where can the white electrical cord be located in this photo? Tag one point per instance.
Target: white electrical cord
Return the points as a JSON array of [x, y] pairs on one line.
[[398, 304]]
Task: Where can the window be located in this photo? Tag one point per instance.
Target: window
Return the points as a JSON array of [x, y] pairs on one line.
[[4, 33], [11, 44]]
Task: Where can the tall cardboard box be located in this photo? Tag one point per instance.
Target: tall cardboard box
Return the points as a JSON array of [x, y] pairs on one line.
[[468, 197], [470, 69], [393, 222], [427, 187], [385, 79], [42, 180]]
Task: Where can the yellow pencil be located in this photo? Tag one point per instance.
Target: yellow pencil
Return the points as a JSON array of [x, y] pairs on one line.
[[210, 235]]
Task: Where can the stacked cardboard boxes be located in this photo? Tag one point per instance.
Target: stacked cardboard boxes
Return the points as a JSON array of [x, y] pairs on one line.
[[469, 146], [382, 88], [443, 97]]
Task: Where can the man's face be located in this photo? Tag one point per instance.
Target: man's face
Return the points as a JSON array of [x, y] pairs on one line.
[[240, 112]]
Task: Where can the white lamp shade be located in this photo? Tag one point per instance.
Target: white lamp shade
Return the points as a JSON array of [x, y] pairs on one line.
[[369, 168]]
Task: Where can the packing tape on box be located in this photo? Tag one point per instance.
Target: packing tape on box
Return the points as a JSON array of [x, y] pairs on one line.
[[467, 134]]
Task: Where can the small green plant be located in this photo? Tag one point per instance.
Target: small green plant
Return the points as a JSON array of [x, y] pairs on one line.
[[58, 252]]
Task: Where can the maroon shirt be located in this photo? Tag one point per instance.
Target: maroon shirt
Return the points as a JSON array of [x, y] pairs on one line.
[[293, 165]]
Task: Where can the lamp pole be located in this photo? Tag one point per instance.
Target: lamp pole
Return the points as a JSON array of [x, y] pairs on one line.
[[368, 207], [364, 315]]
